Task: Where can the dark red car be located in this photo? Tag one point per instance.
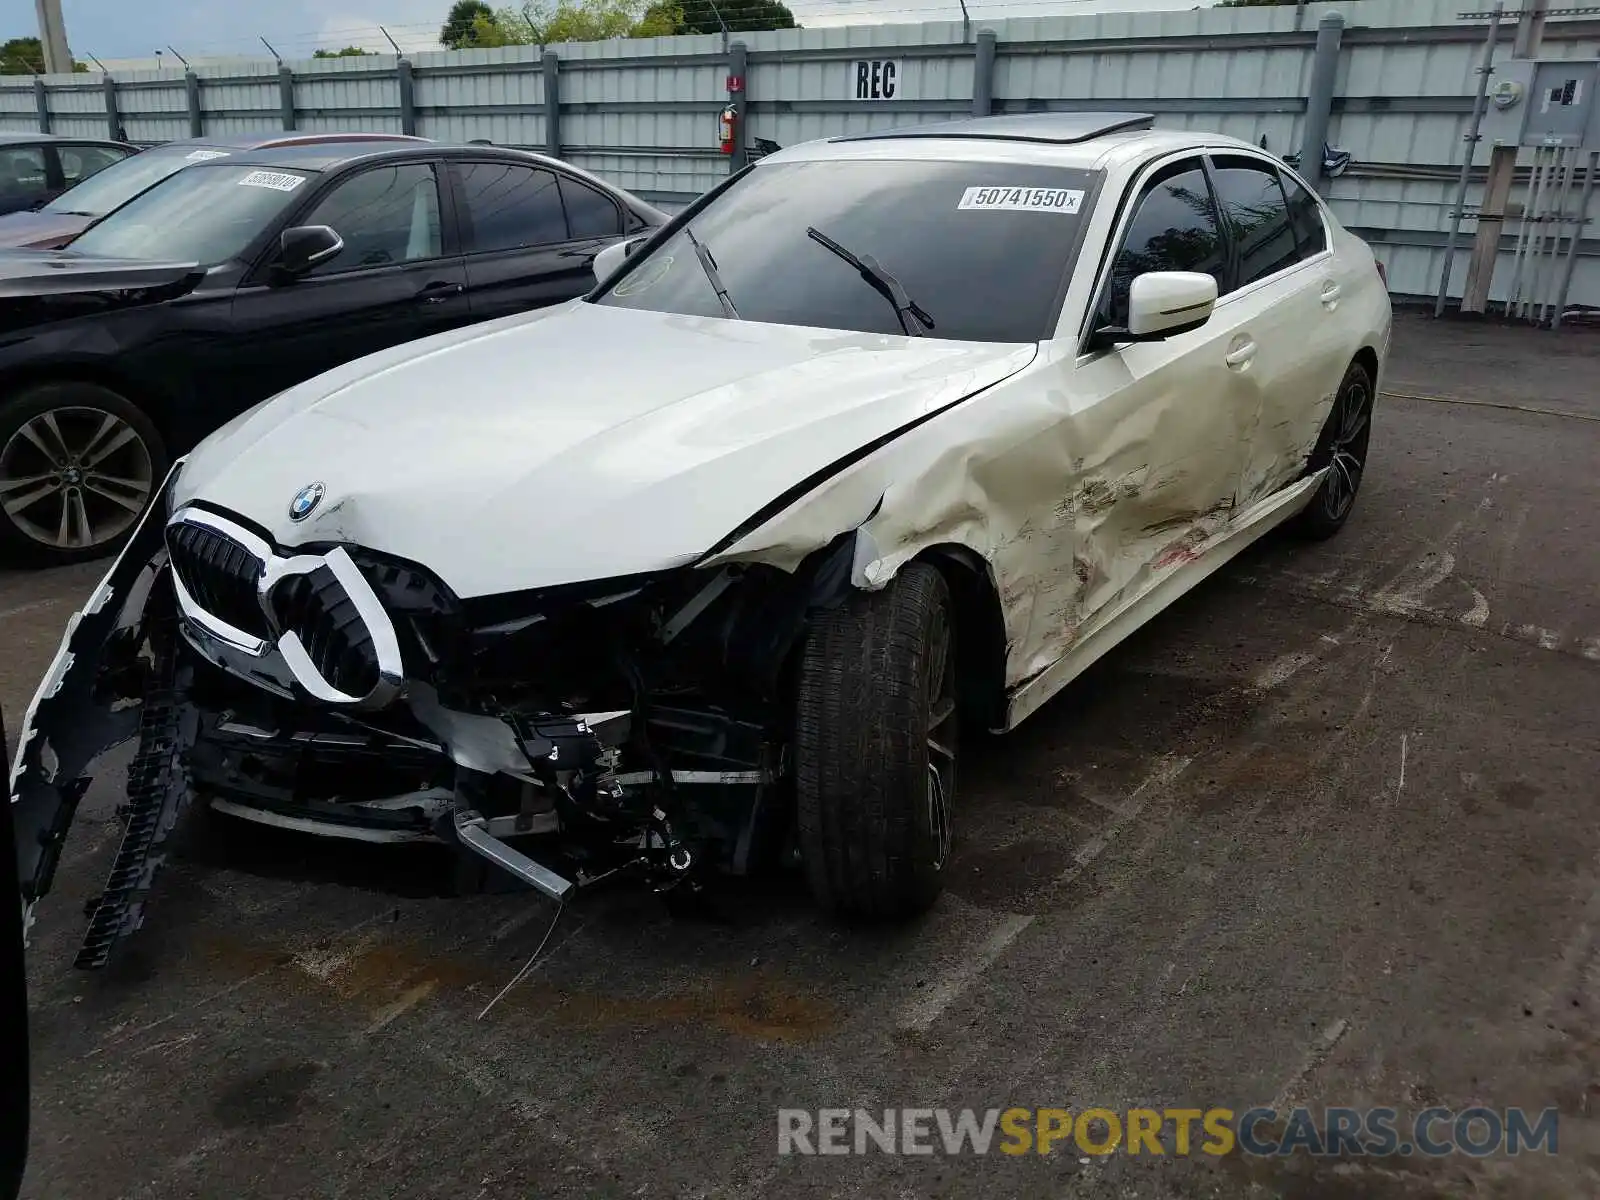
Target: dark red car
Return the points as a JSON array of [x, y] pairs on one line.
[[58, 222]]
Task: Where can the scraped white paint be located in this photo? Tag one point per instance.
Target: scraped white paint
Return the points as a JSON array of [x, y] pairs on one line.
[[1591, 648], [1402, 785], [1166, 772], [1281, 670], [1407, 594], [404, 1003], [931, 1003], [1478, 615], [1314, 1058]]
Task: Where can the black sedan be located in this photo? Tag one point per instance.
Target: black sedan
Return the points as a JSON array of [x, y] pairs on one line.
[[35, 168], [236, 278]]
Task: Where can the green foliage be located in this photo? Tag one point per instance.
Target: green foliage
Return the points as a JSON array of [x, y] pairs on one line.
[[347, 52], [21, 56], [546, 22], [25, 56], [742, 16], [460, 26]]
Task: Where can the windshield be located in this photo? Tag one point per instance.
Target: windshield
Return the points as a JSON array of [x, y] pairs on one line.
[[207, 215], [118, 183], [980, 248]]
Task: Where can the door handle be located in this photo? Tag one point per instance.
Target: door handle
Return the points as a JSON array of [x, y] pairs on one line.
[[1239, 357], [1330, 295], [439, 291]]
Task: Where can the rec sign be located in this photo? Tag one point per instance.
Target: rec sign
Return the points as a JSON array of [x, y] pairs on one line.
[[877, 78]]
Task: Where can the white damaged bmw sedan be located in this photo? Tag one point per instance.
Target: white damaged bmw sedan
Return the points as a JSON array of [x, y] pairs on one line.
[[887, 435]]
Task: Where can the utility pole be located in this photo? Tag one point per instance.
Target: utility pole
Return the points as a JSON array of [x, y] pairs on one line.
[[1502, 169], [53, 37]]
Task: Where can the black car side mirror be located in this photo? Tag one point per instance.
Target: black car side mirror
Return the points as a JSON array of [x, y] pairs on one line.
[[306, 246]]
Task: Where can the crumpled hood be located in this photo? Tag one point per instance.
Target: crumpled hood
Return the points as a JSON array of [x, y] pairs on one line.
[[578, 442]]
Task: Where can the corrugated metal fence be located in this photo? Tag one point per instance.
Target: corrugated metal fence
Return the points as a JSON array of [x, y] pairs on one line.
[[644, 113]]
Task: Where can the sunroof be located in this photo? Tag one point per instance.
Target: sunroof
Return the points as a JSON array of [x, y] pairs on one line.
[[1060, 128]]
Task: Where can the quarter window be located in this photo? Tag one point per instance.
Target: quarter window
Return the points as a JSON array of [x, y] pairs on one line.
[[589, 214], [1257, 214], [385, 215], [511, 206], [1174, 228], [1306, 214]]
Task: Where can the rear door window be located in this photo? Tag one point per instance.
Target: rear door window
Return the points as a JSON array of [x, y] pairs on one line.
[[1306, 215], [510, 206], [1174, 228], [1257, 216]]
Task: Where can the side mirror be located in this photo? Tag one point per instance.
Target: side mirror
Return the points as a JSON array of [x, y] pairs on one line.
[[610, 260], [1162, 304], [305, 246]]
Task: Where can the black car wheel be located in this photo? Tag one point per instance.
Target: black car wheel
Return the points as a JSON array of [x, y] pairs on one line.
[[875, 748], [1342, 448], [78, 466]]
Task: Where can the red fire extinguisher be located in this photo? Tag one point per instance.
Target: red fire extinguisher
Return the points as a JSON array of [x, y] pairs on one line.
[[727, 124]]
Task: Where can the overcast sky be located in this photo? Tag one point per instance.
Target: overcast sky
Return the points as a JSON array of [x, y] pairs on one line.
[[137, 28]]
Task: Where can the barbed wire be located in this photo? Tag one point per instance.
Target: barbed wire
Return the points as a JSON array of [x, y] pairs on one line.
[[375, 37]]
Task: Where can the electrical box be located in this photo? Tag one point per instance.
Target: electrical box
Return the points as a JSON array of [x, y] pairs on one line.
[[1543, 102]]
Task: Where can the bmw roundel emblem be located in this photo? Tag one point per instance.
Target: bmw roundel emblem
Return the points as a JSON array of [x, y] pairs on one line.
[[305, 502]]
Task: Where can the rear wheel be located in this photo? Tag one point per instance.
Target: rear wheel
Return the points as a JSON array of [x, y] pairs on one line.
[[78, 466], [1342, 449], [875, 748]]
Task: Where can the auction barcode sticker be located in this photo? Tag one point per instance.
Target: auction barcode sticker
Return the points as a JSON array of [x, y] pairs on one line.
[[1022, 199], [277, 180]]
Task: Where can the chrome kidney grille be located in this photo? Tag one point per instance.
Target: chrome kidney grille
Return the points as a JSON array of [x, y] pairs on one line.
[[316, 610]]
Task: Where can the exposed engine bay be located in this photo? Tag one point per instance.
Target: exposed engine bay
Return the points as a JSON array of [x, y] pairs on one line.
[[634, 725]]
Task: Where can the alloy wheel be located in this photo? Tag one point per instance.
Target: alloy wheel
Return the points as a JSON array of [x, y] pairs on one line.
[[1352, 431], [76, 477], [941, 736]]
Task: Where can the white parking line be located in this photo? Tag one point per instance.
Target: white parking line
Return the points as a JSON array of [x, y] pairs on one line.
[[925, 1009]]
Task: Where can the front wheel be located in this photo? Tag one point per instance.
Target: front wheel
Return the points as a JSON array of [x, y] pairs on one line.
[[1342, 449], [875, 748], [78, 466]]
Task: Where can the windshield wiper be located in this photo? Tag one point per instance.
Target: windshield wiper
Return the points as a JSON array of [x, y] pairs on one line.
[[709, 266], [914, 319]]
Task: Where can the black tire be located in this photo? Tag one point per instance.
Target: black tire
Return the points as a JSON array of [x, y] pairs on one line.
[[875, 748], [102, 519], [1343, 444]]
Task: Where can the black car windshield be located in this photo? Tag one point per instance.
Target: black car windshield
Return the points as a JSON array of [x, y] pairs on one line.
[[206, 215], [120, 182], [981, 248]]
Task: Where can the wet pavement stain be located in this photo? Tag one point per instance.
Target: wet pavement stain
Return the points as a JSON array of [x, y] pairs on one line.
[[271, 1096]]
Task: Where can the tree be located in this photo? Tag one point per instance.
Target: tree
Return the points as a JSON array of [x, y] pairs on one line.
[[25, 56], [461, 25], [21, 56], [347, 52], [741, 16]]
